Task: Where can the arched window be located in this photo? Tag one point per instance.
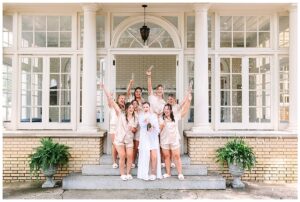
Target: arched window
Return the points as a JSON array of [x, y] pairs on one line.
[[158, 37]]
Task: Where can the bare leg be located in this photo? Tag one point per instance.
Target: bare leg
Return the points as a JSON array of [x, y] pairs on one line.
[[153, 160], [176, 157], [129, 154], [121, 152], [167, 156], [114, 152], [135, 149]]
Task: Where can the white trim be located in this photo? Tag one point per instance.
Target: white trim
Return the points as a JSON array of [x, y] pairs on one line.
[[131, 20]]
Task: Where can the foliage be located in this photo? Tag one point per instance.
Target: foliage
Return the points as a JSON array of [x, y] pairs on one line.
[[48, 155], [236, 152]]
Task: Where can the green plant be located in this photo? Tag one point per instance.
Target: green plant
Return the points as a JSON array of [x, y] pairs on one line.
[[48, 155], [236, 152]]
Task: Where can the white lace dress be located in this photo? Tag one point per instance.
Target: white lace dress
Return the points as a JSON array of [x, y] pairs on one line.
[[148, 141]]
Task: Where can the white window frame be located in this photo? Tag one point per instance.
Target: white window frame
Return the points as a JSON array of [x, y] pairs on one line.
[[45, 124], [245, 124]]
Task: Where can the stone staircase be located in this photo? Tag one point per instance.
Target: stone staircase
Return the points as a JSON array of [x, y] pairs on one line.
[[103, 176]]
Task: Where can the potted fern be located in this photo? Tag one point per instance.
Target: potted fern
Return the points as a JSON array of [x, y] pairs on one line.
[[238, 156], [48, 158]]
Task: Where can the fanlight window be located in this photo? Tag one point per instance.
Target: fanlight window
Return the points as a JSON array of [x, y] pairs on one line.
[[158, 37]]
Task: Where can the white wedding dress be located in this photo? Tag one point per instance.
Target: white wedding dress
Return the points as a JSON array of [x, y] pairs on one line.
[[148, 141]]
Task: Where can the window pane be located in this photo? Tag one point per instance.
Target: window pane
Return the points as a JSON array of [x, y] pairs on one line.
[[264, 23], [66, 81], [284, 31], [54, 81], [54, 114], [52, 39], [65, 114], [236, 81], [37, 65], [53, 23], [65, 23], [190, 31], [236, 98], [36, 114], [225, 23], [238, 23], [65, 65], [225, 114], [251, 39], [100, 27], [264, 39], [40, 39], [266, 115], [238, 39], [284, 89], [251, 23], [252, 66], [40, 23], [54, 65], [252, 98], [65, 39], [27, 23], [225, 82], [25, 114], [226, 39], [225, 65], [7, 31], [225, 98], [237, 114], [253, 117], [27, 39], [65, 98], [7, 88], [236, 65]]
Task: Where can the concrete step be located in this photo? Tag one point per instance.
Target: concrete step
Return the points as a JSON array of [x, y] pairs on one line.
[[108, 170], [106, 159], [78, 181]]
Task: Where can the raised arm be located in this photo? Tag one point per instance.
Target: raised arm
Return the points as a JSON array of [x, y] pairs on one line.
[[129, 88], [148, 72], [110, 101], [186, 104]]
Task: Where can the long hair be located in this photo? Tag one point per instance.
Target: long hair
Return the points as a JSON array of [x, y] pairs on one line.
[[127, 105], [121, 107], [160, 85], [171, 112]]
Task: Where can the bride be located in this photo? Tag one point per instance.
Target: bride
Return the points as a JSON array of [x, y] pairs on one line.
[[149, 152]]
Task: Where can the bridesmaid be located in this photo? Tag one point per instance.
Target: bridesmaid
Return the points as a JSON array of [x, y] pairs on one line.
[[125, 129], [170, 137]]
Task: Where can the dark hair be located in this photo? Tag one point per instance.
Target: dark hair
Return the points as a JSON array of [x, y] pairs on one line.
[[134, 101], [137, 88], [171, 95], [146, 103], [171, 113], [126, 110]]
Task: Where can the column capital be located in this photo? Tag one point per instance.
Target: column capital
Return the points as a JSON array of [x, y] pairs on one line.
[[90, 7], [292, 7], [201, 7]]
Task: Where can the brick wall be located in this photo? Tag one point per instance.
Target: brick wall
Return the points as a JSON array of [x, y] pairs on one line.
[[84, 150], [276, 157]]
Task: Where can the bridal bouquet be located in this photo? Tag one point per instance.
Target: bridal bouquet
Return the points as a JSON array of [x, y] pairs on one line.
[[149, 126]]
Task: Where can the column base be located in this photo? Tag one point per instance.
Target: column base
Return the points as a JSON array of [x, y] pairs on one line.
[[202, 128]]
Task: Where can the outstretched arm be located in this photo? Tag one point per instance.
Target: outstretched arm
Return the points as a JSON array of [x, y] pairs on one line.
[[148, 72], [186, 104], [110, 101], [129, 88]]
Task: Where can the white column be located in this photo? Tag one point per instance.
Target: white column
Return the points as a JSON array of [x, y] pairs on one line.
[[201, 70], [293, 123], [89, 69]]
